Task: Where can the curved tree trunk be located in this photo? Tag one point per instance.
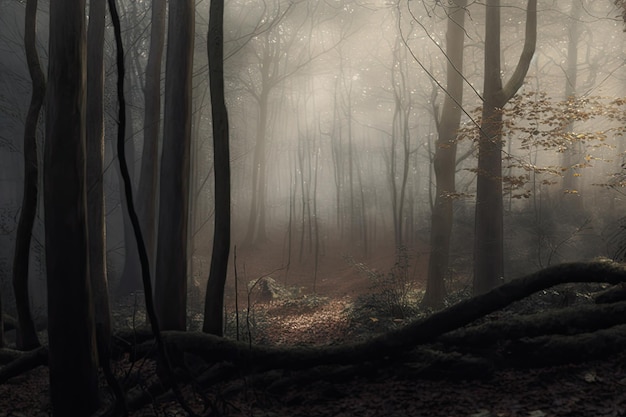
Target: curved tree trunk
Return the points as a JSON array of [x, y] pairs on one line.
[[26, 333]]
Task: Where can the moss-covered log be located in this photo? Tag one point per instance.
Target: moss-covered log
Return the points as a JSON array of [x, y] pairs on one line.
[[562, 349], [566, 321], [419, 332]]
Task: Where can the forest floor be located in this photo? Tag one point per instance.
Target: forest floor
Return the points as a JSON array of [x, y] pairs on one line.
[[347, 307]]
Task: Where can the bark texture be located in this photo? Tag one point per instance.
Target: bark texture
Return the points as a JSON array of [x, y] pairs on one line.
[[171, 266], [444, 162], [214, 301], [26, 334], [488, 236], [72, 348]]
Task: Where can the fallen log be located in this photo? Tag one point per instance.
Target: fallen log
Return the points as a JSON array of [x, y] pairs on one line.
[[22, 362], [421, 331], [562, 349], [10, 323], [566, 321]]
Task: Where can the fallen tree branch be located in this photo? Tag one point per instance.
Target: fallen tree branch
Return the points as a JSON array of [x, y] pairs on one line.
[[22, 362], [422, 331], [570, 320], [561, 349], [10, 323]]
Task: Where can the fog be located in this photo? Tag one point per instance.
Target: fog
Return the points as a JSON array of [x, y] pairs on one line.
[[334, 109]]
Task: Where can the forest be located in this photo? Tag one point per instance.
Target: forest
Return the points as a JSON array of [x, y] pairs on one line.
[[312, 208]]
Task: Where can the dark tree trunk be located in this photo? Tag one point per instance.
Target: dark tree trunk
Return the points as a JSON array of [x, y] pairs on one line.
[[171, 267], [95, 157], [72, 359], [26, 333], [445, 159], [572, 199], [147, 190], [488, 236], [214, 302]]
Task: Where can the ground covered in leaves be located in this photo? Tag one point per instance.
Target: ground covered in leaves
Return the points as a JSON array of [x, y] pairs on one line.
[[352, 308], [387, 388]]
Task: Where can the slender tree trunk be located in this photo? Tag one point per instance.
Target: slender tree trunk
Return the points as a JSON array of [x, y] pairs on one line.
[[72, 348], [214, 302], [258, 175], [571, 155], [488, 237], [444, 161], [148, 177], [26, 333], [171, 270], [95, 157]]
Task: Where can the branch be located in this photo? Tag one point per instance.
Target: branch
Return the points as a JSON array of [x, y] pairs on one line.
[[517, 79]]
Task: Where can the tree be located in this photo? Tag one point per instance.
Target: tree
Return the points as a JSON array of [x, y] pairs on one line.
[[444, 161], [72, 349], [148, 176], [95, 157], [488, 237], [400, 138], [26, 333], [171, 266], [214, 301], [281, 53]]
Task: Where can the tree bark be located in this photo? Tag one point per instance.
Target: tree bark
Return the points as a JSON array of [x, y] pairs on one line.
[[489, 232], [444, 161], [26, 334], [72, 358], [171, 271], [95, 157], [147, 190], [214, 301], [572, 199]]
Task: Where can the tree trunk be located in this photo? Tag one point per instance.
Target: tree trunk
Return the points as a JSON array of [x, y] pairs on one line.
[[171, 270], [571, 156], [253, 234], [26, 333], [214, 302], [444, 161], [488, 236], [72, 359], [147, 190], [95, 157]]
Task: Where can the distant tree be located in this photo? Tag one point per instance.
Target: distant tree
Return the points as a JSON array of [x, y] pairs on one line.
[[26, 333], [489, 232], [147, 189], [171, 260], [400, 143], [214, 301], [281, 52], [72, 348], [444, 160]]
